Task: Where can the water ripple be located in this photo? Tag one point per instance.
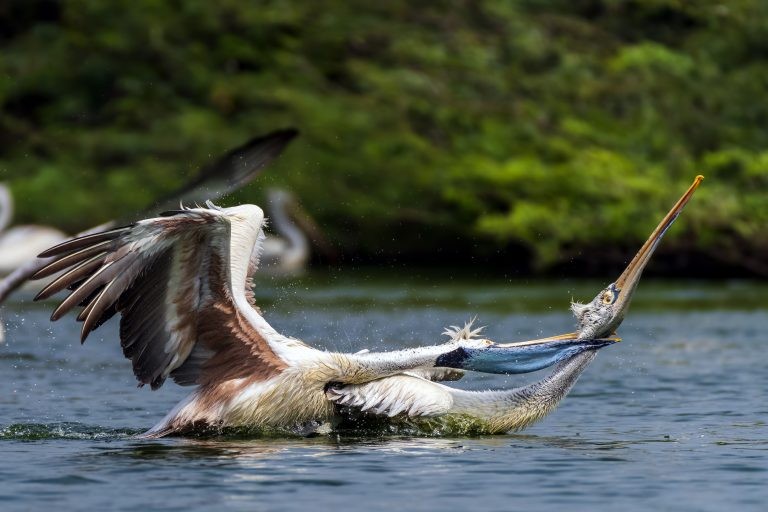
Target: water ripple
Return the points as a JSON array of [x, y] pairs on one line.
[[62, 430]]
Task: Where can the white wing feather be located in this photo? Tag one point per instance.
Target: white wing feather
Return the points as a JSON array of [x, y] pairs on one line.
[[401, 394]]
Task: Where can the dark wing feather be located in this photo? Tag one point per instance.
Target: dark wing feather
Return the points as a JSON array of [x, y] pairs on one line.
[[82, 242], [188, 373], [73, 277], [73, 258]]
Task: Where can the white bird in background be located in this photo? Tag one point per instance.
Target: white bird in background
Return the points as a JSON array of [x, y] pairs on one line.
[[181, 284], [20, 244], [289, 252]]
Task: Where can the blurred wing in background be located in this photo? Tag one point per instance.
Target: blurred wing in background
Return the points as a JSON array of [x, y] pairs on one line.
[[231, 172]]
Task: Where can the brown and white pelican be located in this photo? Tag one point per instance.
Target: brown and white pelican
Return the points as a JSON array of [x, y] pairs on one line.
[[181, 283], [19, 244]]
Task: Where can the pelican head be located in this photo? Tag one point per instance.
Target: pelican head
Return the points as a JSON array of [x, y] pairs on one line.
[[604, 314]]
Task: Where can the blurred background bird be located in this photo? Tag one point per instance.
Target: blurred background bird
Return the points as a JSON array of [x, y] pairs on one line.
[[22, 243]]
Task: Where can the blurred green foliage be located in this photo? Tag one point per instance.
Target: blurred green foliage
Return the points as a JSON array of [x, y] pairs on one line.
[[538, 128]]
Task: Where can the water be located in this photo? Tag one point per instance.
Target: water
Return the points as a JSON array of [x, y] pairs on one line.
[[673, 418]]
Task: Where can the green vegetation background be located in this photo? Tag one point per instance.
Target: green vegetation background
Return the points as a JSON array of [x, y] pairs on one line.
[[530, 130]]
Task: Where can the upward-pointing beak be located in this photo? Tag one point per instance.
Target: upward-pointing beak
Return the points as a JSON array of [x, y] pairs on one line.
[[528, 356], [628, 279]]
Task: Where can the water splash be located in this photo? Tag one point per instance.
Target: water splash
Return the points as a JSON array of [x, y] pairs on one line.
[[62, 430]]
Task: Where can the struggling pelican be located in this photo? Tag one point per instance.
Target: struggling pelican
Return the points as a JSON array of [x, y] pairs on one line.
[[181, 283]]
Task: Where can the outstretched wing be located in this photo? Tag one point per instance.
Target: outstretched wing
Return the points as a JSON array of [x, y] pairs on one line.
[[179, 283], [400, 394]]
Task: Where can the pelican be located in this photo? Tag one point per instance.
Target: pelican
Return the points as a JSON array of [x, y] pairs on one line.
[[19, 244], [289, 251], [181, 283]]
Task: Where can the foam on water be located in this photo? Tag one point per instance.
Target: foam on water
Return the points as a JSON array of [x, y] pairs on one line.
[[62, 430]]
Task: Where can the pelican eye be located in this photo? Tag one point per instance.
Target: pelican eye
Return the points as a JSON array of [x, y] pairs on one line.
[[607, 297]]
